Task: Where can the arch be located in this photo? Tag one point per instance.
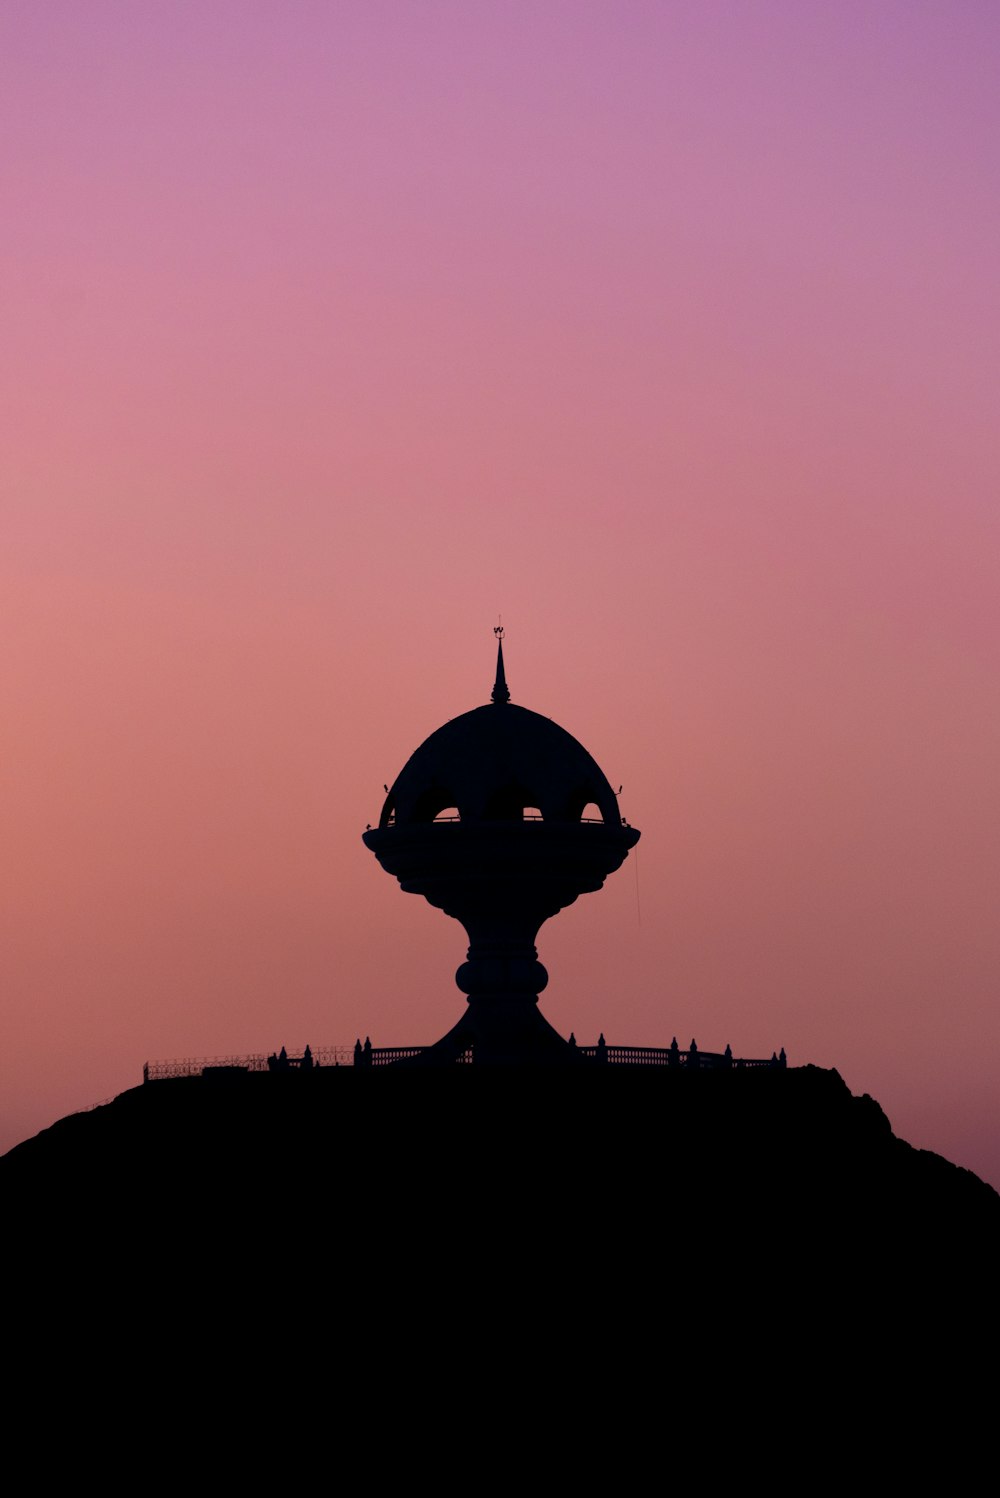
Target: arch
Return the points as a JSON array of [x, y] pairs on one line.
[[431, 803], [585, 803], [448, 814]]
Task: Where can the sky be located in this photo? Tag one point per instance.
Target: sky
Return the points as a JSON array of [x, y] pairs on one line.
[[668, 331]]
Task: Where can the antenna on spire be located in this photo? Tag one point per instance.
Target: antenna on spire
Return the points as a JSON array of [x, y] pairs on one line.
[[500, 694]]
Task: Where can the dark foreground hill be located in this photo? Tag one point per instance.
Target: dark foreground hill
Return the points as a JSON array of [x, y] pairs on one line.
[[487, 1253], [628, 1166]]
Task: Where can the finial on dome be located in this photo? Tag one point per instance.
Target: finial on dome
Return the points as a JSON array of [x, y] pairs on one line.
[[500, 694]]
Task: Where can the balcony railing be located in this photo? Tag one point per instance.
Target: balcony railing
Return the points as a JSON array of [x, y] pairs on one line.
[[368, 1055], [495, 821], [199, 1066]]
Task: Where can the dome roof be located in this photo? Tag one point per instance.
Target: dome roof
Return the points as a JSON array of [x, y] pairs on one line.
[[492, 763]]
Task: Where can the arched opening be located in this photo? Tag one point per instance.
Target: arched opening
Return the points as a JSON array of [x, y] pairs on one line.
[[388, 816], [431, 805], [532, 814], [449, 814], [582, 806]]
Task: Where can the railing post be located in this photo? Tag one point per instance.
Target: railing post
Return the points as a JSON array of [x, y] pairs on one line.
[[601, 1055]]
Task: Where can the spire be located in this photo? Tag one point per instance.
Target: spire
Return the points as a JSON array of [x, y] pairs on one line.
[[500, 694]]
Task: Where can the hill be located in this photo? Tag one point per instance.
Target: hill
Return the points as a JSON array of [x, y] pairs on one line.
[[614, 1157]]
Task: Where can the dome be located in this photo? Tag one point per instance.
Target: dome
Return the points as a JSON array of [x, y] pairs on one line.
[[494, 763]]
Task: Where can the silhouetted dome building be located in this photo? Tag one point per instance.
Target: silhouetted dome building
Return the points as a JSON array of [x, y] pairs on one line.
[[608, 1161], [501, 819]]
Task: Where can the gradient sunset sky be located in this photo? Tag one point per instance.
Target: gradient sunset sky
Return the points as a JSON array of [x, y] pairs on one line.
[[670, 331]]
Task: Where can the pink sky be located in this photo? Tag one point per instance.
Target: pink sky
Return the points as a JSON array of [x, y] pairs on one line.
[[670, 331]]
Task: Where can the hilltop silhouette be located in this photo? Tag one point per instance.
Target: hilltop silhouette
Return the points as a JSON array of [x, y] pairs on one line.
[[542, 1176], [606, 1151]]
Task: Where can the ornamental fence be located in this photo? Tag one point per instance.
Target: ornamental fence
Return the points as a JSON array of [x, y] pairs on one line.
[[199, 1066], [692, 1060], [368, 1055], [385, 1055], [601, 1053]]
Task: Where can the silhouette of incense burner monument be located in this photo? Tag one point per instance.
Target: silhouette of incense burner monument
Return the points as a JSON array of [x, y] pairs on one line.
[[487, 820]]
